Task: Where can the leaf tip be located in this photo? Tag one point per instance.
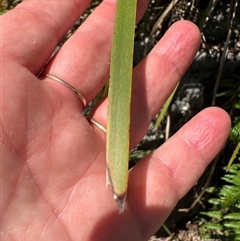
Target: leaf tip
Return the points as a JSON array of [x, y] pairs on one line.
[[120, 202]]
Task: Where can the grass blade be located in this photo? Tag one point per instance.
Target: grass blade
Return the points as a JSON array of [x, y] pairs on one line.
[[165, 109], [120, 86]]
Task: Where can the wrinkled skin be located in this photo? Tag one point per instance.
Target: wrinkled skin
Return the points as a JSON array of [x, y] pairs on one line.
[[53, 160]]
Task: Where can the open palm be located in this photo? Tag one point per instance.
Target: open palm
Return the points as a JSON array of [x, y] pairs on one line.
[[53, 160]]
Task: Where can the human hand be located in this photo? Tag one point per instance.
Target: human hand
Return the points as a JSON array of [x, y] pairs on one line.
[[53, 160]]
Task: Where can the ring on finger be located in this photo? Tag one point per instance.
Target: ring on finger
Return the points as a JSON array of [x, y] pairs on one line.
[[59, 80]]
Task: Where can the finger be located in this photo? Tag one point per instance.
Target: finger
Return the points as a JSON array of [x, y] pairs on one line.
[[84, 59], [160, 180], [156, 76], [34, 28]]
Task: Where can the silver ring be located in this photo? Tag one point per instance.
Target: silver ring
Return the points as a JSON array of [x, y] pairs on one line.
[[80, 96]]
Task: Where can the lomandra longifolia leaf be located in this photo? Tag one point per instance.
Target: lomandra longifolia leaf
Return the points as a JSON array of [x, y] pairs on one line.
[[119, 94]]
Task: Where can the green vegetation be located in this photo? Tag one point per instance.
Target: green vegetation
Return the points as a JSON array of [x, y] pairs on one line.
[[119, 97], [224, 214], [213, 79]]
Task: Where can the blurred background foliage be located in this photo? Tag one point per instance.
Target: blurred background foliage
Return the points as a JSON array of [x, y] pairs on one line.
[[212, 208]]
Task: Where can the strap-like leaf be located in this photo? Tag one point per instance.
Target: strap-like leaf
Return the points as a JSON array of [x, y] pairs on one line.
[[119, 95]]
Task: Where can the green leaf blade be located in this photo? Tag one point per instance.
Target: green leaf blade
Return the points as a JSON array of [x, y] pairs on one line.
[[120, 88]]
